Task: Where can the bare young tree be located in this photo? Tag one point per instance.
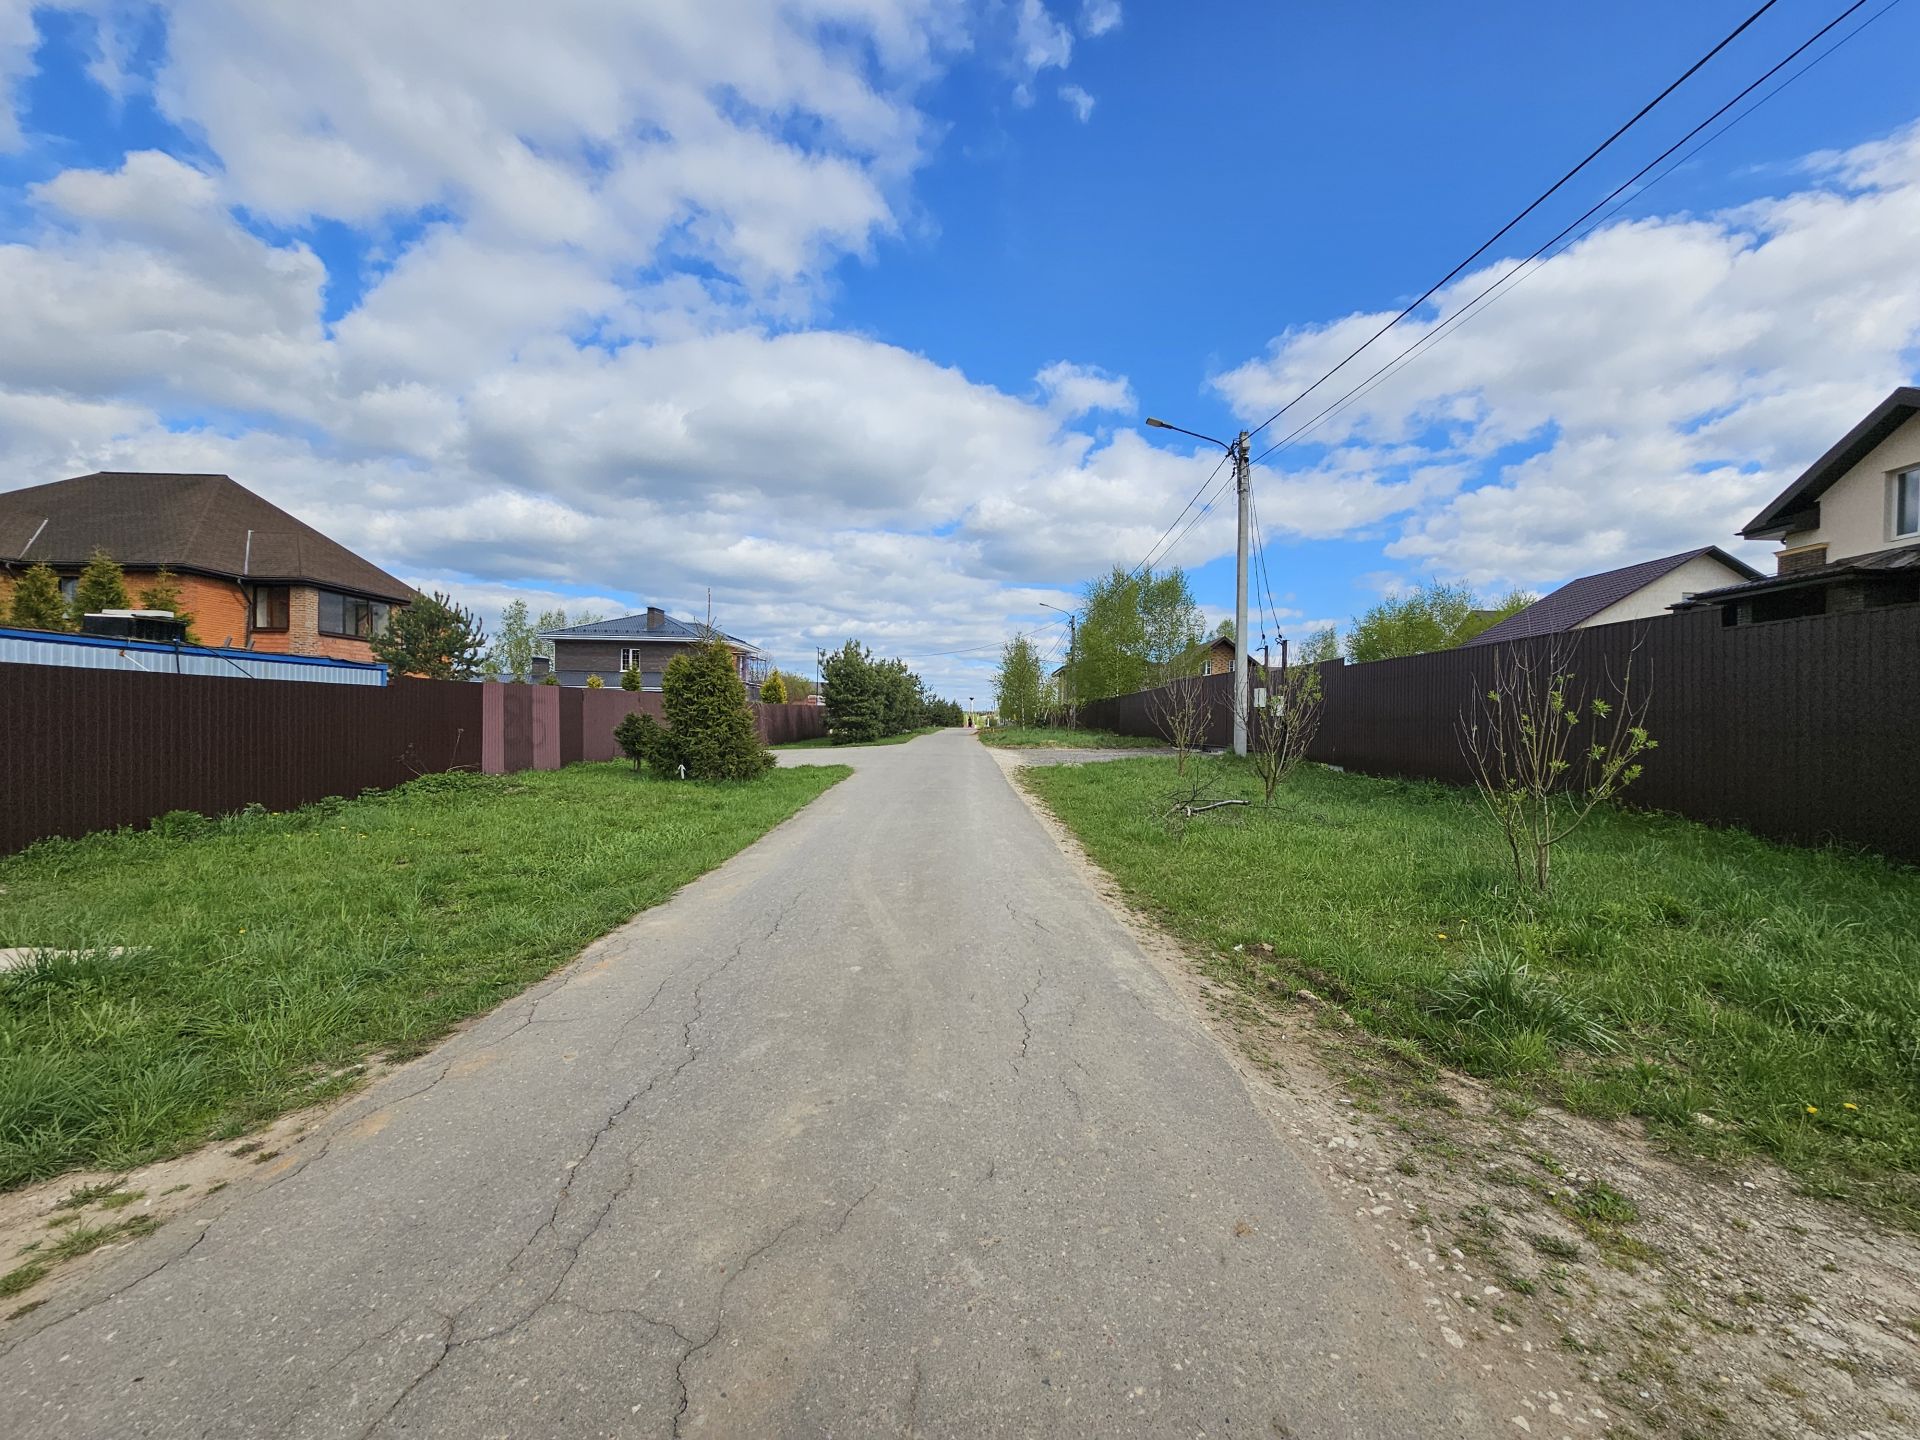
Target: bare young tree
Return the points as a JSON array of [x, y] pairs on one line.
[[1544, 753], [1178, 710], [1285, 726]]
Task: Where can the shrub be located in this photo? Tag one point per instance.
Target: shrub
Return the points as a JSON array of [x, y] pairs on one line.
[[550, 679], [594, 682], [630, 678], [773, 690], [642, 740]]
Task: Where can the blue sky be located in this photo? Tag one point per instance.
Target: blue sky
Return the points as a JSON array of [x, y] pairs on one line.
[[852, 312]]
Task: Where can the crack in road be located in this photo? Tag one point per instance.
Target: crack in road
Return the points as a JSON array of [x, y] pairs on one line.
[[720, 1300]]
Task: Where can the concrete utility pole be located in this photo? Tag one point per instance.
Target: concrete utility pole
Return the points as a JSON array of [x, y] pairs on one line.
[[1243, 487]]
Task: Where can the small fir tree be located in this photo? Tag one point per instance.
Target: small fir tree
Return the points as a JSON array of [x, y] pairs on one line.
[[709, 728], [433, 638], [37, 604], [103, 586], [630, 678], [773, 690], [164, 594]]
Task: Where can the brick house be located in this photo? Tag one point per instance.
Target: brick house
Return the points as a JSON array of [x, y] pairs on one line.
[[647, 643], [1848, 527], [250, 574]]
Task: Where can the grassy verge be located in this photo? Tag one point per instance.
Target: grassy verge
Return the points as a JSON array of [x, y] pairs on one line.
[[1037, 737], [825, 742], [269, 953], [1735, 994]]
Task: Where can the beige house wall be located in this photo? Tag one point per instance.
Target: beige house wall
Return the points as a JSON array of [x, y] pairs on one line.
[[1856, 513], [1703, 572]]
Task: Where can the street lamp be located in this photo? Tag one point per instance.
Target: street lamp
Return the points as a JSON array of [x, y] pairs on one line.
[[1242, 485]]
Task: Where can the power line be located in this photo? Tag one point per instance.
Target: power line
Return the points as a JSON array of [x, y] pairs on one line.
[[1538, 200], [1155, 547], [1521, 269]]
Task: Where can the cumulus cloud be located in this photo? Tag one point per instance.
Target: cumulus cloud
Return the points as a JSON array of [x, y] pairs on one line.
[[1641, 394], [1076, 390]]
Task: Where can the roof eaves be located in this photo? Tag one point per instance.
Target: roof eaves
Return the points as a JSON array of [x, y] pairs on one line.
[[1804, 493]]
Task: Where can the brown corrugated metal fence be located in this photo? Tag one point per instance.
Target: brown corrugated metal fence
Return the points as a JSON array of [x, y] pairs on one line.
[[1799, 729], [94, 749], [90, 750]]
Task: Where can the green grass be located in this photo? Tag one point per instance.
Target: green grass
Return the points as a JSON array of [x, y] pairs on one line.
[[1676, 972], [271, 953], [824, 742], [1038, 737]]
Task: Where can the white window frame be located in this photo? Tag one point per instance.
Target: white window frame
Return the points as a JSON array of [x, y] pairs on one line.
[[1900, 480], [629, 658]]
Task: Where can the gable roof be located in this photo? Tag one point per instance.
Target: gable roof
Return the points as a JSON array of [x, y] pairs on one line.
[[1580, 600], [634, 627], [193, 524], [1798, 506]]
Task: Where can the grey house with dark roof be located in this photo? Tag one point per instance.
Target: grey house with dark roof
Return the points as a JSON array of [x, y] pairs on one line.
[[646, 642], [1633, 592], [249, 574], [1848, 526]]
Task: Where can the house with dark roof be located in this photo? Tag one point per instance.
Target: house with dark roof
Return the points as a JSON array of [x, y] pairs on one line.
[[252, 576], [646, 642], [1633, 592], [1848, 527]]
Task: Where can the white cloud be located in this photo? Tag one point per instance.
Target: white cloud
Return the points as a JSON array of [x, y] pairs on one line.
[[1664, 377], [17, 41], [1040, 42], [1076, 390], [1097, 17], [1079, 101]]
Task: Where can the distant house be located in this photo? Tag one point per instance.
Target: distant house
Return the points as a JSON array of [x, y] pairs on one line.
[[1633, 592], [1849, 527], [647, 643], [1218, 657], [252, 576]]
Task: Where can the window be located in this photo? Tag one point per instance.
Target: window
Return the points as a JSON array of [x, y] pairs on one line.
[[1906, 502], [352, 617], [69, 588], [270, 607], [629, 660]]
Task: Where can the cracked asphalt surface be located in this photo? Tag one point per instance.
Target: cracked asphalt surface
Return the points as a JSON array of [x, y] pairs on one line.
[[886, 1127]]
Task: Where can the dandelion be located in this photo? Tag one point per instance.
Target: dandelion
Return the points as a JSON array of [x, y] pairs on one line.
[[1848, 1105], [1813, 1109], [1441, 933]]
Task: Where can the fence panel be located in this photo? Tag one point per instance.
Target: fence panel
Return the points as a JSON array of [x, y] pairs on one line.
[[93, 750], [1796, 729]]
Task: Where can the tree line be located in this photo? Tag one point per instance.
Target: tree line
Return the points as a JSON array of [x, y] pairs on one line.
[[868, 698]]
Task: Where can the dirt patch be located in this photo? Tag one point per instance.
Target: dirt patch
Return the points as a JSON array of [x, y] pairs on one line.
[[124, 1206], [1610, 1286]]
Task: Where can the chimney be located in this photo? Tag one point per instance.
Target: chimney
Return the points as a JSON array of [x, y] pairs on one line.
[[656, 618]]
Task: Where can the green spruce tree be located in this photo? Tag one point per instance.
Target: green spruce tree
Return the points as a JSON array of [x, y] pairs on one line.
[[36, 601], [103, 586]]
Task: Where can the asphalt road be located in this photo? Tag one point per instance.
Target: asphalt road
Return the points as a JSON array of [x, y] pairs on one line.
[[886, 1127]]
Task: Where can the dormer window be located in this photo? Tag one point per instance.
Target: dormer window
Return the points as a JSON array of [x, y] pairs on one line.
[[1906, 503]]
